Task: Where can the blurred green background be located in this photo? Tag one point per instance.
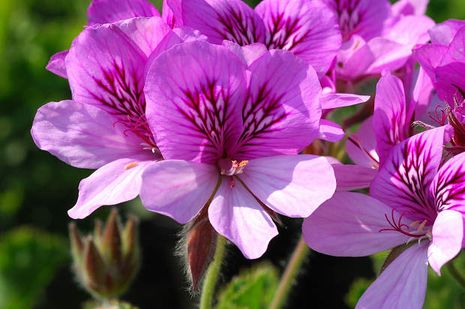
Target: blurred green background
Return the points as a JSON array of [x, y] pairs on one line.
[[36, 189]]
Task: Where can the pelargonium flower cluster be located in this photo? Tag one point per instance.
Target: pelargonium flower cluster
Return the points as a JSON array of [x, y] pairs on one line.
[[220, 114]]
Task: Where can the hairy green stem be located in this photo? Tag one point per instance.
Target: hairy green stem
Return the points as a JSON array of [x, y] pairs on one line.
[[456, 274], [211, 277], [298, 257]]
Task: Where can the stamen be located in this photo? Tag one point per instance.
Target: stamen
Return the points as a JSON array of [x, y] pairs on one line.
[[440, 115], [422, 226], [231, 167], [130, 165], [398, 226]]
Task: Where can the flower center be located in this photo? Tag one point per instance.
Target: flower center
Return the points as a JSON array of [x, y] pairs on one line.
[[419, 229], [229, 167]]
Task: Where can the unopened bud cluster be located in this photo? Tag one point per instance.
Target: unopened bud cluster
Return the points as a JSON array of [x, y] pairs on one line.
[[106, 261]]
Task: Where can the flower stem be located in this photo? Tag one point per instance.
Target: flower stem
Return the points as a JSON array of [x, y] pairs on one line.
[[298, 257], [456, 274], [211, 277]]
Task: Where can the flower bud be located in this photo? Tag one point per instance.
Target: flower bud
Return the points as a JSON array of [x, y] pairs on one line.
[[196, 248], [106, 261]]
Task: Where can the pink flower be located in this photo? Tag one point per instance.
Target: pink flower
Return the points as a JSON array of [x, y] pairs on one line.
[[396, 109], [414, 201], [229, 123], [444, 61], [306, 28], [377, 36], [389, 125], [368, 148], [110, 11], [104, 12], [104, 127]]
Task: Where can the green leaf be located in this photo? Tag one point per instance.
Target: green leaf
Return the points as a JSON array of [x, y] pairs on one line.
[[356, 291], [28, 261], [252, 289]]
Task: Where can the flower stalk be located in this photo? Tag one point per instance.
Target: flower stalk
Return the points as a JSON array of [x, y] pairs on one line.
[[211, 277], [291, 272]]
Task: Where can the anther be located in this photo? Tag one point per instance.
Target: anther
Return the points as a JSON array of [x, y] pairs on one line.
[[231, 167], [130, 165]]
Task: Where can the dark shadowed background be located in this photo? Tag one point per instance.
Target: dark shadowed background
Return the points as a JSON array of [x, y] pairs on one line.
[[36, 189]]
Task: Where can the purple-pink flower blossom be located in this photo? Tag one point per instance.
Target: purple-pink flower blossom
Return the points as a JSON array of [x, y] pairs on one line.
[[105, 12], [104, 127], [378, 36], [443, 60], [306, 28], [229, 123], [415, 200], [398, 112]]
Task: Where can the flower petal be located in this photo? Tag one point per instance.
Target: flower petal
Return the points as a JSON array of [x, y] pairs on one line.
[[430, 56], [84, 136], [248, 53], [235, 214], [447, 239], [114, 183], [109, 11], [106, 68], [382, 54], [172, 13], [351, 224], [449, 82], [445, 32], [306, 28], [337, 100], [282, 113], [361, 146], [423, 96], [448, 186], [194, 93], [331, 131], [404, 180], [219, 20], [411, 30], [360, 58], [353, 177], [391, 118], [178, 189], [402, 284], [290, 185], [105, 61], [410, 7], [56, 64], [146, 33]]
